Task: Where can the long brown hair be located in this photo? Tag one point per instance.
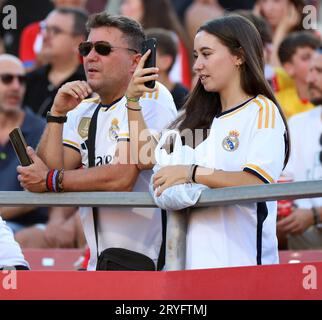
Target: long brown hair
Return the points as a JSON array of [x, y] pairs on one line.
[[242, 39]]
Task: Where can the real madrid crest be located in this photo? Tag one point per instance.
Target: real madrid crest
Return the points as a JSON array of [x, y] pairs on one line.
[[114, 129], [231, 142], [83, 127]]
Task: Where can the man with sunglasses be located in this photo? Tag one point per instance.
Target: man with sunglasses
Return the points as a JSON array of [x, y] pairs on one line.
[[303, 227], [110, 55], [12, 115]]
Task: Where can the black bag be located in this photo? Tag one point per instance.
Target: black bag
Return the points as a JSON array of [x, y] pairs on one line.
[[122, 259]]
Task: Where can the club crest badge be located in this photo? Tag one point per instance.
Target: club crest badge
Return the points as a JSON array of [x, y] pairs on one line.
[[231, 142], [83, 127], [114, 129]]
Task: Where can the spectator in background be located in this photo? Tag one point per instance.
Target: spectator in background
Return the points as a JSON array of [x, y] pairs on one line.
[[32, 38], [295, 54], [12, 115], [199, 12], [167, 48], [303, 227], [161, 14], [284, 16], [28, 11], [10, 252], [63, 30], [276, 76], [180, 6]]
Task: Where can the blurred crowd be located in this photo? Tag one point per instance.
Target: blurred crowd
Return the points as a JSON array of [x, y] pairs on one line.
[[45, 44]]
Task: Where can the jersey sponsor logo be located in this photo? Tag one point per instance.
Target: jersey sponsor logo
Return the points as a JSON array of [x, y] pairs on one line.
[[101, 160], [83, 127], [231, 142], [114, 130]]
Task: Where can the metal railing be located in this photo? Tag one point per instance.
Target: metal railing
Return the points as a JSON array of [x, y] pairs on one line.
[[176, 226]]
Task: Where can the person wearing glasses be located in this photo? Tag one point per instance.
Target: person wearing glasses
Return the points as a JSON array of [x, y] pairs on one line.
[[110, 54], [14, 114], [62, 31], [303, 227]]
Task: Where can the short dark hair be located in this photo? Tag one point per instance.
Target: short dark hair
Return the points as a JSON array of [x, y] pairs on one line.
[[132, 30], [166, 42], [80, 19], [295, 40]]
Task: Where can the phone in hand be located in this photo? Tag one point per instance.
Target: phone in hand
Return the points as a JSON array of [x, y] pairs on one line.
[[20, 146], [151, 44]]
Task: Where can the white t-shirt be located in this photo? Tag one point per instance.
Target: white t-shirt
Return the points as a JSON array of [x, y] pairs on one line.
[[137, 229], [304, 164], [249, 137], [10, 252]]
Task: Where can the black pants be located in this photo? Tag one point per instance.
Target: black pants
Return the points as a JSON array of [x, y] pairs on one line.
[[18, 268]]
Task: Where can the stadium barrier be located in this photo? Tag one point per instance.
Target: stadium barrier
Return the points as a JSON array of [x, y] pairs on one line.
[[176, 224]]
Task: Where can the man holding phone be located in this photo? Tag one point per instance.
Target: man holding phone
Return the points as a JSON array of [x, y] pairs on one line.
[[12, 115], [110, 54]]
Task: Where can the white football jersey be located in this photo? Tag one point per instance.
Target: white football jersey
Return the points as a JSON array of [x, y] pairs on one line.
[[137, 229], [10, 252], [249, 137], [305, 164]]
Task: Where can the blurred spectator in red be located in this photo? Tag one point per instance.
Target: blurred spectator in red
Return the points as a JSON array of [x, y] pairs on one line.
[[161, 14], [295, 53], [63, 30], [31, 37], [167, 49], [284, 16], [28, 11]]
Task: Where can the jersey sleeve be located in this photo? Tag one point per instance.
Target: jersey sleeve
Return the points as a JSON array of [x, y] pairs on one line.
[[266, 153], [71, 137]]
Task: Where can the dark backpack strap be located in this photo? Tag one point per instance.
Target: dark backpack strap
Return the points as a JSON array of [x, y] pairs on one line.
[[91, 163], [161, 258]]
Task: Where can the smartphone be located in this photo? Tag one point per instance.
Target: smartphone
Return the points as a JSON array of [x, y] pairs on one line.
[[151, 44], [20, 146]]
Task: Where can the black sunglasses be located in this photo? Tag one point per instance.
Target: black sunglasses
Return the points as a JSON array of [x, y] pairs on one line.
[[7, 78], [103, 48]]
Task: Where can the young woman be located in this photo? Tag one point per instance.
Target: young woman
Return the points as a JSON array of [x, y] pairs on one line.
[[248, 143]]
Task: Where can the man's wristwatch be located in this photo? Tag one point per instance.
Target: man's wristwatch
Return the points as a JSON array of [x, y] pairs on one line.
[[51, 118], [316, 218]]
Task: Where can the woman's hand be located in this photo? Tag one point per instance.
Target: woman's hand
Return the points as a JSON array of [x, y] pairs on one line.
[[291, 19], [170, 176], [136, 87]]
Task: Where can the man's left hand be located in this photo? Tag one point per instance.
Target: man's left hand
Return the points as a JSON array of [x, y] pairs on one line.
[[33, 177]]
